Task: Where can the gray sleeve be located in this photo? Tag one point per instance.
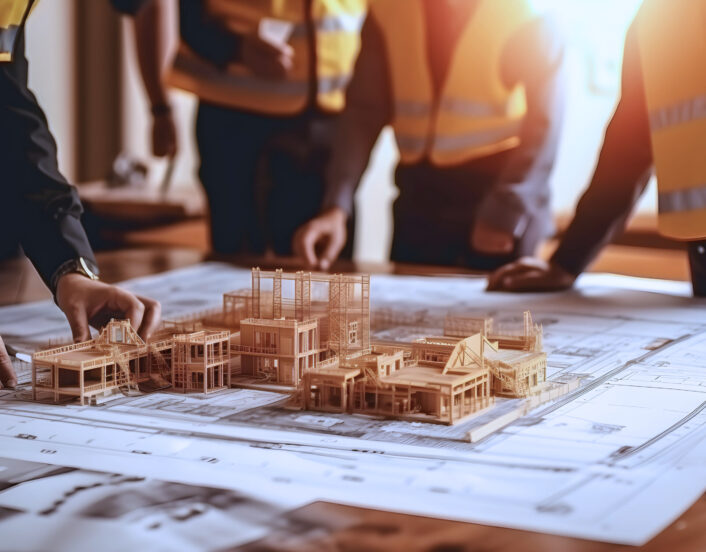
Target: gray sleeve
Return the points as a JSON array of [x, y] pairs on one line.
[[535, 58], [358, 127]]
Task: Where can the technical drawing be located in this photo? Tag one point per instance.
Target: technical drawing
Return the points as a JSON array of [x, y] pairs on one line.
[[617, 458]]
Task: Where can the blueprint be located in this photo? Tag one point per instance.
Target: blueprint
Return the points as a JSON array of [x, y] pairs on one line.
[[617, 459]]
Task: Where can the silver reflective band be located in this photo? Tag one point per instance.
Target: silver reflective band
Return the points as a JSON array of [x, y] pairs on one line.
[[408, 108], [256, 85], [476, 139], [7, 38], [685, 111], [410, 144], [469, 108], [345, 22], [682, 201]]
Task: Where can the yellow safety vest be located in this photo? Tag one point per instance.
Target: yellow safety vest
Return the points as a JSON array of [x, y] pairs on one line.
[[476, 114], [337, 36], [12, 16], [672, 38]]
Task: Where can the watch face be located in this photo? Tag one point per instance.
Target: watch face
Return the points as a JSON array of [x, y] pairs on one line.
[[85, 269]]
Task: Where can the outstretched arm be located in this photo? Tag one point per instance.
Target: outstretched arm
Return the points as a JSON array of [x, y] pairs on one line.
[[623, 169], [367, 111]]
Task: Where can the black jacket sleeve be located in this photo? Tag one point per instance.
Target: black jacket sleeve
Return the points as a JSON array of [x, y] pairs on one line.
[[623, 170], [42, 208]]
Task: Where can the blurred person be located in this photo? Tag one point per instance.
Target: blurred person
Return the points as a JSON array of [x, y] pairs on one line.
[[270, 77], [474, 93], [41, 210], [660, 121]]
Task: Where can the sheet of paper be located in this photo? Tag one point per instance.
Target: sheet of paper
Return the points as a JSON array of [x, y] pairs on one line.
[[616, 460], [275, 31]]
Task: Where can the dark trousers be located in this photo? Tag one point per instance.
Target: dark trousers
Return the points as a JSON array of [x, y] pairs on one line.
[[436, 212], [697, 265], [263, 175]]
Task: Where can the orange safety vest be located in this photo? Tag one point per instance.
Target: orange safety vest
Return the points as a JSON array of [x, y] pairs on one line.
[[337, 25], [476, 113], [12, 16], [672, 41]]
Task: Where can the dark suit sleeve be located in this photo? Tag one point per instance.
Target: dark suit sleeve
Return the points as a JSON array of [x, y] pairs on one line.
[[623, 170], [43, 205], [367, 111], [206, 35], [535, 58]]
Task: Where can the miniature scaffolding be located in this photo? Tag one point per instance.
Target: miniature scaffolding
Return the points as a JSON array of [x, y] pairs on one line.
[[300, 320]]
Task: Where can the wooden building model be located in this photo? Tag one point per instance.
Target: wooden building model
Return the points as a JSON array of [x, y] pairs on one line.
[[310, 334]]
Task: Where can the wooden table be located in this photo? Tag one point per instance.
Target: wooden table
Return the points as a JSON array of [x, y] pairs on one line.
[[366, 529]]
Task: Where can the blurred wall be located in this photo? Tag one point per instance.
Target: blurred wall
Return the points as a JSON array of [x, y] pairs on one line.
[[50, 49]]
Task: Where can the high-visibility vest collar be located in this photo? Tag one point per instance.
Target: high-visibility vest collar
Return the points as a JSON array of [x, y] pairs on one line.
[[476, 113]]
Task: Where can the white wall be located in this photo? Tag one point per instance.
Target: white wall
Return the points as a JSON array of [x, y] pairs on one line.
[[50, 50]]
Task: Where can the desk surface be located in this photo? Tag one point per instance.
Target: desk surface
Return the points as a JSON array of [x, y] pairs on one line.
[[367, 529]]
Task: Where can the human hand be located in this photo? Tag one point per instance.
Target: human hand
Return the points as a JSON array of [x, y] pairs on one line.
[[164, 135], [321, 239], [530, 274], [85, 301], [7, 372], [491, 241], [265, 59]]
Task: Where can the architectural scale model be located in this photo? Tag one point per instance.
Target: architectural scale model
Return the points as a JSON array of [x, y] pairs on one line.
[[308, 334]]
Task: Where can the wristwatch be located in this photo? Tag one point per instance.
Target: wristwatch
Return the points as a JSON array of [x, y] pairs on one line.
[[80, 265]]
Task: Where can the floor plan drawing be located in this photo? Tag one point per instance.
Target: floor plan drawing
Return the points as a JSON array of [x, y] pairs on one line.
[[616, 459]]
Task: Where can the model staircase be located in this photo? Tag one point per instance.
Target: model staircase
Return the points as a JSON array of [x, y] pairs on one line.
[[126, 379]]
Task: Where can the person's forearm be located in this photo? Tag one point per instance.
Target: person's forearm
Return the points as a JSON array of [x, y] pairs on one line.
[[151, 45], [357, 131], [358, 127], [623, 170], [604, 208]]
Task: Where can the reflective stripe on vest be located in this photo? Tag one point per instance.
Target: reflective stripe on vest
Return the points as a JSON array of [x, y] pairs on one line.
[[337, 25], [682, 201], [342, 23], [474, 139], [685, 111], [672, 41], [256, 85], [476, 114]]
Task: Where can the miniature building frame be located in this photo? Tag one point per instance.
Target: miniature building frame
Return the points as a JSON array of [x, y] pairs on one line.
[[440, 384], [118, 359], [201, 361]]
